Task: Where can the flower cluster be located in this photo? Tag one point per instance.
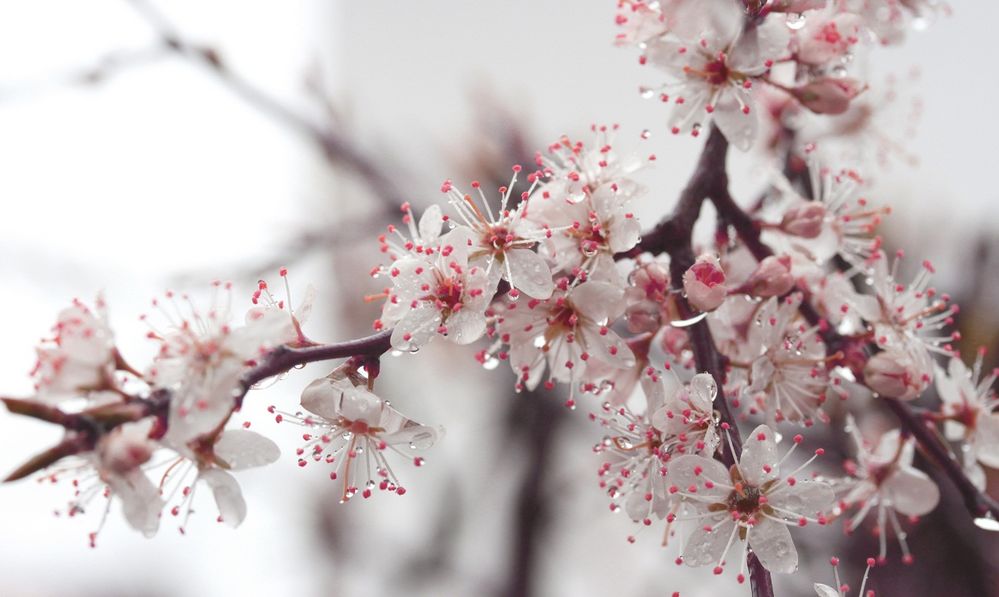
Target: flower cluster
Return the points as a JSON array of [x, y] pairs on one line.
[[790, 316], [720, 56]]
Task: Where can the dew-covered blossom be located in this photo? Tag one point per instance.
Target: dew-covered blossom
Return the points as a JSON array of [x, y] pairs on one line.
[[882, 480], [677, 418], [209, 461], [503, 242], [554, 276], [968, 412], [203, 355], [784, 364], [584, 205], [750, 506], [354, 431], [905, 317], [714, 59], [440, 295], [563, 333], [79, 357]]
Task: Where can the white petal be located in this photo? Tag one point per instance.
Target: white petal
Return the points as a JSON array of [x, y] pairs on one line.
[[637, 507], [703, 391], [416, 328], [531, 274], [430, 224], [140, 499], [242, 448], [758, 455], [986, 439], [599, 301], [825, 590], [705, 546], [912, 492], [682, 472], [465, 326], [228, 495], [804, 498], [738, 127], [772, 543]]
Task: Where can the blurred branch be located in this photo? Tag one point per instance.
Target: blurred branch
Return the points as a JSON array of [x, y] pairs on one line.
[[338, 149]]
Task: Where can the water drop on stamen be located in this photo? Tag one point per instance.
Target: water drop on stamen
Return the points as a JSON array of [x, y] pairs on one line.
[[646, 133]]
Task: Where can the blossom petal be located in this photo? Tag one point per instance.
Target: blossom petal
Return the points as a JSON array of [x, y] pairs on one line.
[[431, 223], [912, 492], [140, 499], [706, 545], [986, 439], [531, 274], [804, 498], [772, 543], [599, 301], [758, 455], [825, 590], [228, 495], [242, 448], [416, 328], [687, 471], [465, 326]]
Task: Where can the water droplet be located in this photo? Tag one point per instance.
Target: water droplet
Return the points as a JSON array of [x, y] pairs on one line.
[[422, 440], [491, 363], [682, 323], [987, 522], [646, 133], [370, 484], [646, 92], [795, 21]]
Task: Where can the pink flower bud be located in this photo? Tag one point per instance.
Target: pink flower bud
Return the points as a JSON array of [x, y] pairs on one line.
[[895, 375], [126, 448], [828, 95], [771, 278], [804, 219], [704, 283]]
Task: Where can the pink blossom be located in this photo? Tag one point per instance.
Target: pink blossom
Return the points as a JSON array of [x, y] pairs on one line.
[[704, 283]]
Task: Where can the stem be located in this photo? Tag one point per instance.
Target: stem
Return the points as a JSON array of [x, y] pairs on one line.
[[284, 358], [978, 503], [337, 148], [673, 235]]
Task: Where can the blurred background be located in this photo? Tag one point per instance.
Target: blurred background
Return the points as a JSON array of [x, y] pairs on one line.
[[143, 149]]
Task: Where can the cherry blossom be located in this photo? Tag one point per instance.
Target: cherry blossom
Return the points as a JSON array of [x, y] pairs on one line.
[[441, 296], [80, 357], [503, 241], [202, 355], [352, 429], [752, 504], [969, 402], [715, 62], [883, 480], [564, 332]]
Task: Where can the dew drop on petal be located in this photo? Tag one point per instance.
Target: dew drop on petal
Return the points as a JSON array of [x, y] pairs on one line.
[[795, 21], [987, 522], [682, 323]]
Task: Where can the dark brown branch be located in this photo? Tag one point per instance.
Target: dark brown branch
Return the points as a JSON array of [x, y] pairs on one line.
[[977, 502], [284, 358], [673, 235]]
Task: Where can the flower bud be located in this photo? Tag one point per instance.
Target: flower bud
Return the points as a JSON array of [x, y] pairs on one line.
[[771, 278], [895, 375], [704, 283], [804, 219], [828, 95], [126, 447]]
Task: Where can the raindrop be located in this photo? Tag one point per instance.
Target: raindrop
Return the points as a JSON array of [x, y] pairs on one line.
[[795, 21], [646, 133], [422, 440], [987, 522], [490, 363], [646, 93], [682, 323]]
